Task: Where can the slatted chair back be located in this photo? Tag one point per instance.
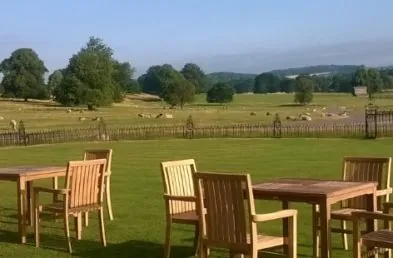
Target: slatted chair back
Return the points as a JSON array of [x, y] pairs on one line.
[[375, 169], [85, 180], [178, 181], [228, 201], [91, 154]]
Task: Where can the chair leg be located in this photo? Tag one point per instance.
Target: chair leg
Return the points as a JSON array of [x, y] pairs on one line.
[[167, 244], [102, 227], [196, 239], [344, 235], [203, 251], [67, 231], [86, 218], [315, 230], [36, 225], [78, 226], [108, 196]]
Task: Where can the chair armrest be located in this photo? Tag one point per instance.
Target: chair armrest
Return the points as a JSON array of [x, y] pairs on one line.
[[384, 192], [372, 215], [274, 215], [180, 198], [50, 190]]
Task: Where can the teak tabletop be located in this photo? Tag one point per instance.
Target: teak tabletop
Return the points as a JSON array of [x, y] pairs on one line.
[[317, 192], [24, 175]]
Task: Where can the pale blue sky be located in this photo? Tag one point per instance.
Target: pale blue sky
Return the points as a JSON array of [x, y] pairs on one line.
[[148, 32]]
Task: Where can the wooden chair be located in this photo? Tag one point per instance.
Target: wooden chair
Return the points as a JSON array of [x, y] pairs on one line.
[[357, 169], [228, 219], [179, 196], [91, 154], [380, 239], [83, 192]]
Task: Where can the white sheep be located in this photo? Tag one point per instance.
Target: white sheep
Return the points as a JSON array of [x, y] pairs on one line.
[[13, 124]]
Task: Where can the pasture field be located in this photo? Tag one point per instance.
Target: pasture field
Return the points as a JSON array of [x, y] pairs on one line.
[[48, 115], [138, 227]]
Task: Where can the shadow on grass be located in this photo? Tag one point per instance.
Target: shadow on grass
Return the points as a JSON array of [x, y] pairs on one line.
[[136, 248]]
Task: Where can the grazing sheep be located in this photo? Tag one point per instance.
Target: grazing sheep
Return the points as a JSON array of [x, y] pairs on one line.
[[306, 118], [314, 110], [69, 111], [159, 115], [307, 114], [1, 117], [95, 119], [13, 125], [168, 116], [82, 118], [253, 114]]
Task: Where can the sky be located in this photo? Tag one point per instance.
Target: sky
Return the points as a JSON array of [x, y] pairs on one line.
[[149, 32]]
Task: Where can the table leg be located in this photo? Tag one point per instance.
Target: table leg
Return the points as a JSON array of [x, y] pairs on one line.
[[21, 190], [29, 198], [325, 233], [55, 183], [371, 224], [285, 228]]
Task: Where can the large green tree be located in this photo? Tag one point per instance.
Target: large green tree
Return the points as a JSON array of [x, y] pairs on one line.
[[375, 82], [194, 74], [23, 75], [287, 85], [90, 77], [220, 93], [55, 79], [123, 76], [156, 79], [167, 83], [304, 89], [266, 82], [371, 78], [179, 92]]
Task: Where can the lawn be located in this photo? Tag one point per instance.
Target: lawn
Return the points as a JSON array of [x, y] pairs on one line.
[[48, 115], [138, 227]]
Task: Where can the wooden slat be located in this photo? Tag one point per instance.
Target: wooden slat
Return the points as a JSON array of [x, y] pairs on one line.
[[178, 181]]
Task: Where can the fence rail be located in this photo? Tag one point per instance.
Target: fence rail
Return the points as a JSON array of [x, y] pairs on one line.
[[354, 130]]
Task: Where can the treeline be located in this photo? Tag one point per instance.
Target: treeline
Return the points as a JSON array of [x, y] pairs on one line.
[[271, 82], [93, 77]]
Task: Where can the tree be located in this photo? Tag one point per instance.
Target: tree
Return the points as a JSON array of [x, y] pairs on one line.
[[220, 93], [194, 74], [55, 79], [360, 77], [375, 82], [23, 75], [341, 83], [287, 85], [123, 76], [156, 80], [242, 85], [90, 77], [304, 90], [266, 82], [387, 80], [179, 92]]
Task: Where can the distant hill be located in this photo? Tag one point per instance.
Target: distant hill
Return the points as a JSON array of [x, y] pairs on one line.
[[229, 76], [318, 69]]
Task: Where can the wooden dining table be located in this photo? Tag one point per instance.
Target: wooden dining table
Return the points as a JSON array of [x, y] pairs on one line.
[[317, 192], [24, 176]]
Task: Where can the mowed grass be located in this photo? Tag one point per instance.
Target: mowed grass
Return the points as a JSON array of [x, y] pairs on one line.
[[48, 115], [138, 227]]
